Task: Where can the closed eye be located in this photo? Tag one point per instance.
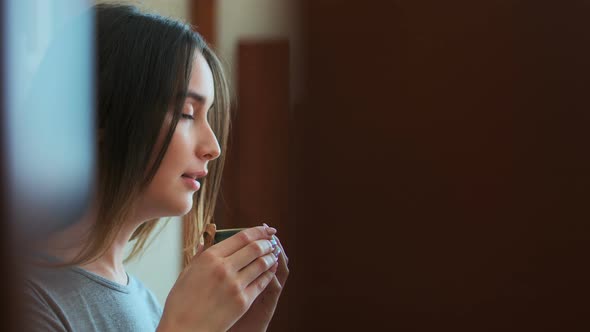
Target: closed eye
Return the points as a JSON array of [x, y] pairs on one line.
[[188, 116]]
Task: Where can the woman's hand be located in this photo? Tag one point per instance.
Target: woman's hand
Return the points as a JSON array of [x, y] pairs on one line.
[[260, 313], [221, 283]]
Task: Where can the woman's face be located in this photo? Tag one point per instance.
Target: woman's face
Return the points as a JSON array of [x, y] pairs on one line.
[[192, 146]]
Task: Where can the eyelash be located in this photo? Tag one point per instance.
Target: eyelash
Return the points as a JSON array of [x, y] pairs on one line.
[[188, 116]]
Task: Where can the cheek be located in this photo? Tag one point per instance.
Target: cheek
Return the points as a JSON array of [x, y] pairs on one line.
[[174, 161], [166, 195], [178, 152], [177, 158]]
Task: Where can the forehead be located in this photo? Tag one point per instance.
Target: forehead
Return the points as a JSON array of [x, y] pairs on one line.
[[201, 79]]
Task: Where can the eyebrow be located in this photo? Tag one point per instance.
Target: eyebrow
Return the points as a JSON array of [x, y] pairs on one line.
[[198, 97]]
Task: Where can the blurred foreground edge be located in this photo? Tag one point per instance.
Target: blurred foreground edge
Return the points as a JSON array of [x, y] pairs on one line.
[[47, 125]]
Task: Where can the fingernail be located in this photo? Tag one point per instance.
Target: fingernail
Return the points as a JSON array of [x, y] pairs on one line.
[[264, 224], [273, 243], [271, 231], [277, 252]]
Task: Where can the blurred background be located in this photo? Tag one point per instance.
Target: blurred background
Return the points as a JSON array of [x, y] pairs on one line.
[[426, 162]]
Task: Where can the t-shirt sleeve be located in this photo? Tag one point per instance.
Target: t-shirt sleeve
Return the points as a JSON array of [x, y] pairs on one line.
[[38, 313]]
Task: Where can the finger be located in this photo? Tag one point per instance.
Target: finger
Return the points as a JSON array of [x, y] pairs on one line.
[[282, 248], [251, 252], [275, 284], [259, 285], [283, 270], [242, 239], [274, 288], [259, 266]]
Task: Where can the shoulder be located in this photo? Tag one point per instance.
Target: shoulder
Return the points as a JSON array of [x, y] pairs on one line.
[[40, 311], [48, 293], [50, 282]]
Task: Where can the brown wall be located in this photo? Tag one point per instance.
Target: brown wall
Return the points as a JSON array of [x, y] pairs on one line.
[[443, 177], [437, 172], [257, 185], [203, 17]]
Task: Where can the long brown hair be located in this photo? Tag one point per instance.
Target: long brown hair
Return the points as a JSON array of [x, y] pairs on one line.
[[144, 66]]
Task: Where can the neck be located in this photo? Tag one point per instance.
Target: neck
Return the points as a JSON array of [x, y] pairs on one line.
[[68, 243]]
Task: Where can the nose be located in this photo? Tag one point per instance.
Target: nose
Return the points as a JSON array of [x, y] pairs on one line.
[[208, 147]]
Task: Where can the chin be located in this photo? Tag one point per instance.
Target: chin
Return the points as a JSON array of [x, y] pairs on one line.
[[181, 207]]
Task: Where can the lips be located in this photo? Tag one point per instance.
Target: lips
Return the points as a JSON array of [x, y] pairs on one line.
[[190, 179], [195, 175]]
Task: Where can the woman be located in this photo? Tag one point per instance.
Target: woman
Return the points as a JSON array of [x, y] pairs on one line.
[[163, 119]]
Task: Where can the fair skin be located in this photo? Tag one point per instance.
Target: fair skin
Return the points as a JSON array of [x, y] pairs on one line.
[[234, 284]]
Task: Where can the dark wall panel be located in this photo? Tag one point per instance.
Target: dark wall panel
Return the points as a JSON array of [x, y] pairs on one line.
[[444, 167], [257, 185]]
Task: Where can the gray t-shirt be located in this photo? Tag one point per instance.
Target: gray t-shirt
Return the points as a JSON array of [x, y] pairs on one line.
[[73, 299]]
